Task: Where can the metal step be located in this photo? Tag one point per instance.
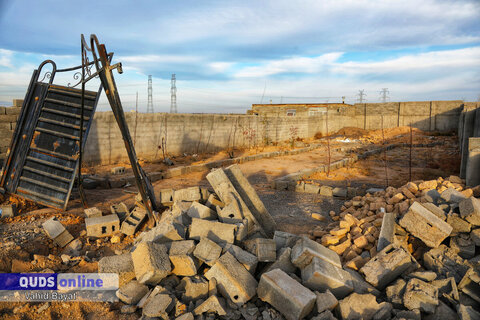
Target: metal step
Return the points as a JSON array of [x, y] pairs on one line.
[[68, 104]]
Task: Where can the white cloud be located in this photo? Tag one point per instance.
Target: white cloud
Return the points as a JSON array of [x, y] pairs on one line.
[[6, 58]]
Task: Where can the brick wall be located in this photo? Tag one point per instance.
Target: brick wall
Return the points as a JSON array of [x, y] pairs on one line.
[[8, 120]]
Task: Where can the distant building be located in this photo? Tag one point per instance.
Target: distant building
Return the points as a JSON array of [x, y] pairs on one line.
[[298, 109]]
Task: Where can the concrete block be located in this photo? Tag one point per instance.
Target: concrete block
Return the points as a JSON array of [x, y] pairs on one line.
[[117, 170], [458, 224], [166, 196], [151, 262], [463, 246], [395, 292], [424, 225], [475, 236], [233, 280], [467, 313], [321, 275], [120, 264], [286, 295], [8, 211], [305, 249], [387, 231], [133, 220], [283, 262], [207, 251], [231, 213], [420, 295], [18, 103], [435, 210], [326, 191], [57, 232], [158, 306], [326, 301], [470, 284], [432, 196], [187, 194], [340, 192], [132, 292], [312, 188], [92, 212], [452, 196], [446, 286], [472, 159], [442, 312], [470, 210], [212, 305], [264, 249], [120, 209], [185, 316], [387, 265], [166, 231], [213, 230], [195, 288], [213, 202], [358, 306], [284, 239], [181, 257], [102, 226], [200, 211], [248, 260], [445, 262]]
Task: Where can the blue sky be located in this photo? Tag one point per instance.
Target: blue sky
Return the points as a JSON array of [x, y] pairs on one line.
[[229, 54]]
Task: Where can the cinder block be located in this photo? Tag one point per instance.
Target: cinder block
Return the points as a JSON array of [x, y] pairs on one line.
[[305, 249], [321, 275], [426, 226], [312, 188], [265, 249], [151, 262], [420, 295], [233, 280], [132, 292], [120, 209], [395, 292], [248, 260], [212, 305], [387, 231], [200, 211], [207, 251], [117, 170], [57, 232], [326, 191], [284, 239], [230, 213], [213, 230], [133, 220], [286, 295], [452, 196], [166, 196], [120, 264], [166, 231], [92, 212], [213, 202], [8, 211], [470, 210], [187, 194], [102, 226], [195, 288], [387, 265], [158, 306], [359, 306], [181, 256], [435, 210]]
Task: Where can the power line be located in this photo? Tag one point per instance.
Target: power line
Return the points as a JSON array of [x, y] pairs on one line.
[[173, 93], [383, 94], [361, 94], [150, 100]]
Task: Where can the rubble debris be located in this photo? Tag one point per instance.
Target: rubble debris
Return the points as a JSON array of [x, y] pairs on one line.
[[121, 264], [326, 301], [359, 306], [92, 212], [470, 210], [117, 170], [133, 220], [57, 232], [420, 295], [151, 262], [213, 230], [181, 256], [120, 209], [132, 292], [8, 211]]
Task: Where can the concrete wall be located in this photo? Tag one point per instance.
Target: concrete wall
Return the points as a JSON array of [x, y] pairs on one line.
[[8, 120], [199, 133]]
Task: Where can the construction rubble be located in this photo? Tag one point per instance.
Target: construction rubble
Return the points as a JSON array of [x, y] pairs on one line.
[[406, 253]]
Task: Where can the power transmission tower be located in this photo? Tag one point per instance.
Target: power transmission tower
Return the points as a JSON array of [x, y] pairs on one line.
[[173, 92], [383, 94], [150, 100], [361, 94]]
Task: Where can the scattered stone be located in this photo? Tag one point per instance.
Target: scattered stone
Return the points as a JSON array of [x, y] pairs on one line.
[[212, 304], [158, 306], [132, 292], [470, 210], [57, 232], [195, 288], [420, 295], [326, 301], [180, 254], [207, 251], [321, 275], [358, 306], [453, 196], [151, 262]]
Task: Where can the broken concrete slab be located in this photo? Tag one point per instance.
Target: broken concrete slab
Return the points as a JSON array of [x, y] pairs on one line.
[[151, 262], [467, 313], [387, 265], [166, 196], [57, 232], [470, 284], [395, 292], [132, 292], [425, 225], [216, 231], [133, 220], [158, 306], [284, 239], [187, 194], [458, 224], [445, 262], [463, 246], [92, 212], [195, 288], [326, 301], [207, 251], [283, 262], [264, 249], [120, 209], [387, 231], [121, 264], [305, 249], [435, 210], [166, 231], [104, 226], [446, 286], [198, 210], [470, 210], [358, 306], [251, 199], [442, 312], [285, 294], [452, 196], [213, 202], [420, 295], [181, 256], [248, 260], [321, 275], [233, 280]]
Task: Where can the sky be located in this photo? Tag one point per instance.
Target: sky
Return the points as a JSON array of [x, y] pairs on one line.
[[228, 55]]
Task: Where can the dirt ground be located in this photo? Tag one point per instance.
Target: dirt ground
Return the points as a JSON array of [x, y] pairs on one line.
[[22, 237]]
